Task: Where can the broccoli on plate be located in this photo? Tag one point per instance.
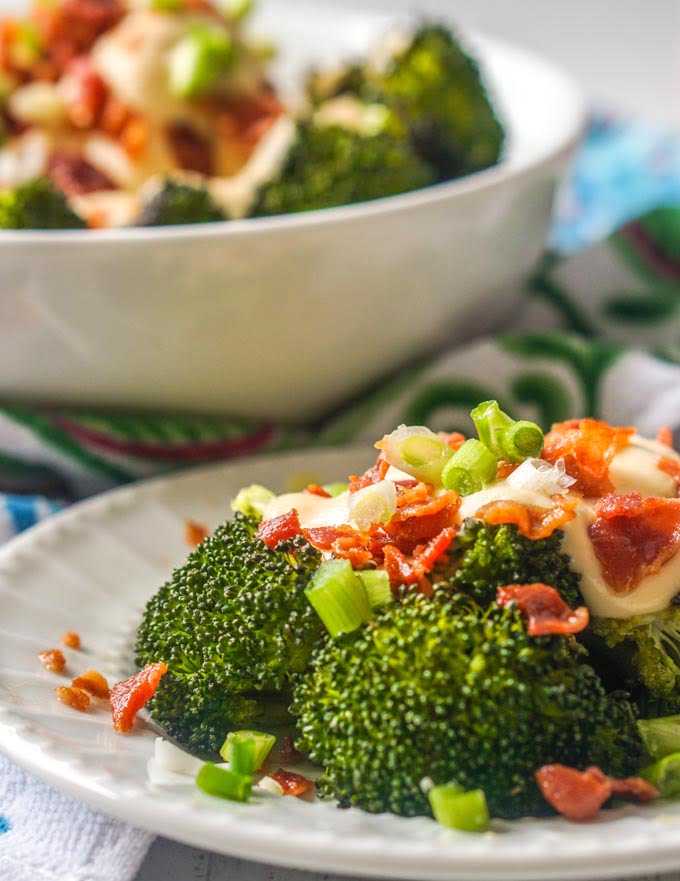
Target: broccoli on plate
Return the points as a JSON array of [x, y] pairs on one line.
[[37, 205], [443, 689], [234, 627]]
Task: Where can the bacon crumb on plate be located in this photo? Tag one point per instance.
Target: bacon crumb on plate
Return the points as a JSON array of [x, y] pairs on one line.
[[72, 697], [546, 612], [292, 783], [71, 639], [129, 696], [579, 795], [93, 683], [665, 436], [195, 533], [53, 660]]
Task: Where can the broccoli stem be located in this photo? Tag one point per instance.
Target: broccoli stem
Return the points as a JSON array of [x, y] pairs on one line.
[[661, 736]]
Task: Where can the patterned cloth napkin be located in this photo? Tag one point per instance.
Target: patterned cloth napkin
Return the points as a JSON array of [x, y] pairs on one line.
[[600, 336]]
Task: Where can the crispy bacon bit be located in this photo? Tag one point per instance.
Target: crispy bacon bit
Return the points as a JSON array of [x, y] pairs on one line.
[[505, 469], [191, 150], [288, 754], [412, 492], [665, 436], [397, 565], [75, 176], [453, 438], [292, 783], [73, 697], [70, 28], [633, 537], [579, 795], [587, 447], [281, 528], [670, 467], [129, 696], [85, 93], [316, 490], [93, 683], [71, 639], [195, 533], [532, 521], [52, 660], [546, 612], [373, 475], [427, 556]]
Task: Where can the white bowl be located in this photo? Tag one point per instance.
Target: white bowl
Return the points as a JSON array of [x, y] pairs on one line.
[[285, 317]]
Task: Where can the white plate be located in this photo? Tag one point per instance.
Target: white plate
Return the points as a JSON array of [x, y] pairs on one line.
[[92, 568]]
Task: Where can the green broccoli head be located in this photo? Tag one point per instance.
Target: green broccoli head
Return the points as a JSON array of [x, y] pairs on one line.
[[645, 651], [444, 689], [486, 557], [329, 165], [177, 203], [37, 205], [436, 89], [234, 627]]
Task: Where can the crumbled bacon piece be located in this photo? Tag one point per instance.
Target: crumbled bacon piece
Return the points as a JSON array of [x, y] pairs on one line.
[[195, 533], [532, 521], [427, 556], [191, 150], [292, 783], [412, 492], [633, 537], [397, 565], [73, 697], [505, 469], [52, 660], [75, 176], [546, 612], [85, 93], [93, 683], [70, 28], [454, 439], [316, 490], [71, 639], [373, 475], [670, 467], [665, 436], [579, 795], [418, 522], [587, 447], [281, 528], [129, 696], [288, 754]]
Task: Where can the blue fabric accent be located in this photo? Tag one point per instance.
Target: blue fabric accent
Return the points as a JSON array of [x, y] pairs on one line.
[[622, 170], [5, 825], [22, 511]]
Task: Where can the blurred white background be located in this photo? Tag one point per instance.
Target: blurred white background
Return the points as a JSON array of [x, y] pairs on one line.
[[625, 53]]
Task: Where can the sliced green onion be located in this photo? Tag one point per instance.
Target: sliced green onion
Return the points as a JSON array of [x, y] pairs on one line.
[[252, 500], [417, 451], [238, 9], [661, 736], [199, 59], [335, 489], [224, 784], [242, 754], [262, 743], [456, 809], [166, 5], [339, 597], [469, 468], [378, 588], [376, 503], [507, 439], [665, 775]]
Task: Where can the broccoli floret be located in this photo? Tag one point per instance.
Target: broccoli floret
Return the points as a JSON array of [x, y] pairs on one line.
[[234, 627], [435, 88], [486, 557], [329, 165], [177, 203], [37, 205], [645, 650], [443, 689]]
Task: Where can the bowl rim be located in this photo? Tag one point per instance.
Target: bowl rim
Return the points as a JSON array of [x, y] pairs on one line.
[[480, 181]]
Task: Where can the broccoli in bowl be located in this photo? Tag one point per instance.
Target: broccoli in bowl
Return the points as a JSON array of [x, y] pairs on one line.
[[168, 96], [441, 635]]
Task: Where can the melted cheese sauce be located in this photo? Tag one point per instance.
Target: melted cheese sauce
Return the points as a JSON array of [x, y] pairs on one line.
[[635, 469]]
